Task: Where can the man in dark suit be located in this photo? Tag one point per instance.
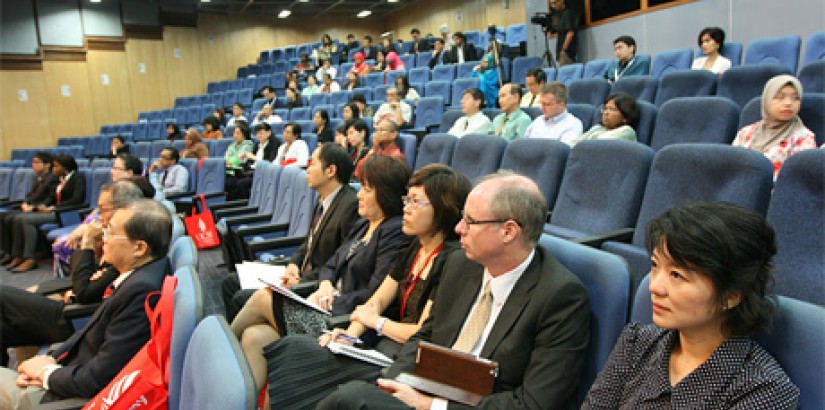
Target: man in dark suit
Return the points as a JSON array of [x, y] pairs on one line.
[[368, 49], [135, 243], [419, 44], [505, 299], [438, 54], [337, 208], [461, 50]]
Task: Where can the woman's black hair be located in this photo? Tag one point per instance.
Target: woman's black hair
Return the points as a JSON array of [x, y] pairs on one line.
[[212, 121], [388, 177], [356, 112], [447, 191], [66, 161], [716, 33], [626, 105]]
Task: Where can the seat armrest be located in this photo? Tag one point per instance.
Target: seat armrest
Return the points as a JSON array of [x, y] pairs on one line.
[[77, 310], [338, 322], [596, 241], [245, 219], [229, 204], [305, 289], [258, 246], [261, 229], [75, 403], [178, 195], [229, 212]]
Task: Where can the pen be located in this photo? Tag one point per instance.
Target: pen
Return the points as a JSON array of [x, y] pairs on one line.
[[353, 340]]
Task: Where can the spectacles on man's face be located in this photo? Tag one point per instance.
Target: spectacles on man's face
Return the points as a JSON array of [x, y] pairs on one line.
[[107, 236], [409, 201], [470, 221]]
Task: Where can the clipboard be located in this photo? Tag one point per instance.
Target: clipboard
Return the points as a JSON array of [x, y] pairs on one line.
[[451, 374], [294, 296]]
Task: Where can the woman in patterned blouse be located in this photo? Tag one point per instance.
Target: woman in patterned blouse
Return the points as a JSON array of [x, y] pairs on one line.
[[780, 133], [708, 282]]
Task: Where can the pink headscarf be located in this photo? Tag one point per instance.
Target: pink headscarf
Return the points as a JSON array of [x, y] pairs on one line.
[[394, 62]]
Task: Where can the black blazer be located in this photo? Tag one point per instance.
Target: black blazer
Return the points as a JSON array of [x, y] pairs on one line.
[[42, 189], [362, 273], [469, 54], [325, 135], [434, 60], [539, 339], [372, 52], [332, 231], [119, 328], [83, 265], [423, 45], [74, 192]]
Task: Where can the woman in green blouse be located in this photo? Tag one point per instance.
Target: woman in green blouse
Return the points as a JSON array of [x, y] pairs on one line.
[[236, 151]]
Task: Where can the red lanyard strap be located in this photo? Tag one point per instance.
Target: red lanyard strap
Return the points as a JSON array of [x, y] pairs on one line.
[[412, 278]]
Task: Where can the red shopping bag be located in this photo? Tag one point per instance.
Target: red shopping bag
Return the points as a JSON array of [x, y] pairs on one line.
[[201, 227], [143, 384]]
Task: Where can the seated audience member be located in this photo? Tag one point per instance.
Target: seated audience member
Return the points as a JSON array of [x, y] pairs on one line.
[[438, 54], [781, 132], [135, 243], [367, 49], [311, 87], [32, 319], [329, 86], [711, 267], [211, 129], [25, 232], [711, 41], [386, 44], [513, 122], [357, 140], [538, 312], [620, 116], [220, 114], [360, 68], [626, 63], [305, 68], [396, 110], [168, 175], [474, 121], [237, 114], [380, 62], [383, 143], [267, 115], [239, 184], [393, 62], [293, 99], [341, 135], [361, 102], [351, 44], [118, 147], [294, 151], [326, 68], [193, 147], [325, 50], [353, 81], [487, 74], [124, 167], [293, 84], [535, 80], [350, 112], [235, 154], [322, 130], [268, 93], [402, 83], [172, 132], [555, 123], [43, 185], [336, 210], [444, 31], [419, 44], [432, 208], [461, 50], [347, 279]]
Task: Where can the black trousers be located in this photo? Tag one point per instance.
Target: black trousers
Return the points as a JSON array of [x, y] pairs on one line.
[[30, 319]]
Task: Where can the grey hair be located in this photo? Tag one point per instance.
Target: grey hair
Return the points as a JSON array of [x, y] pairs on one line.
[[519, 199], [123, 192], [557, 89], [151, 222]]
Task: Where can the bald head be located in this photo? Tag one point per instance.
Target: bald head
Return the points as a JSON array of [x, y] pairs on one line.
[[517, 197]]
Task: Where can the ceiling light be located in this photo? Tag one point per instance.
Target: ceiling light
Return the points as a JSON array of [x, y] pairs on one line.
[[284, 14], [205, 1], [303, 1], [392, 1], [363, 14], [94, 1]]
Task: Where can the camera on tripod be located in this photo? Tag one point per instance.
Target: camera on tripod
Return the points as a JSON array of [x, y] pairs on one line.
[[543, 20]]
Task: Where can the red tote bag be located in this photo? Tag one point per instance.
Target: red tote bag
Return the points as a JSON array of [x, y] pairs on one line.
[[201, 227], [143, 384]]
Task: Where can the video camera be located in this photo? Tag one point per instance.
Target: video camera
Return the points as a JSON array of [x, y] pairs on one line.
[[543, 20]]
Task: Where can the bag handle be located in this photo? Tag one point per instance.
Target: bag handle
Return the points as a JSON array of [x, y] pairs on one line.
[[195, 199], [161, 320]]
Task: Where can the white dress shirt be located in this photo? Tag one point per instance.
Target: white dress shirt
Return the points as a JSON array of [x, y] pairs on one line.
[[476, 124], [564, 127]]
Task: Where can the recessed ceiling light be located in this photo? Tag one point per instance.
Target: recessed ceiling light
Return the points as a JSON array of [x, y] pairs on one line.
[[303, 1], [392, 1], [95, 1], [284, 14], [205, 1], [363, 14]]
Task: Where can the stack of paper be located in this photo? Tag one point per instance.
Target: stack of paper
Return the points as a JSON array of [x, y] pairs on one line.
[[250, 274]]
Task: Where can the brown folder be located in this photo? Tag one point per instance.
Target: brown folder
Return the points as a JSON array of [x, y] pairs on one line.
[[453, 375]]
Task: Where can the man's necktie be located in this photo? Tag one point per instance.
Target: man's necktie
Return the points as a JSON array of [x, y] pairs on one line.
[[477, 322], [500, 127]]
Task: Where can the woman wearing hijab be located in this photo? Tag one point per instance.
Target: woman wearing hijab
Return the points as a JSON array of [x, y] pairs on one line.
[[393, 62], [360, 68], [780, 133], [487, 79]]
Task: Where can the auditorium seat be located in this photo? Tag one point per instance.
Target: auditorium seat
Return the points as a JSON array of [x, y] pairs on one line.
[[318, 98], [584, 112], [686, 83], [812, 77], [477, 155], [740, 84], [686, 120], [569, 73], [444, 72], [642, 87], [428, 112], [408, 60], [448, 118], [815, 48], [392, 75], [671, 60], [373, 79], [596, 170], [407, 143], [550, 73], [419, 75], [595, 68], [458, 88], [423, 60], [591, 91], [435, 148], [521, 65], [776, 50], [542, 160], [686, 173], [812, 113], [517, 36], [465, 69]]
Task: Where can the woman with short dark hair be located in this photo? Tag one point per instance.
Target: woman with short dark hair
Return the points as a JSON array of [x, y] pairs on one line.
[[322, 130], [711, 264], [620, 116], [211, 129], [712, 41]]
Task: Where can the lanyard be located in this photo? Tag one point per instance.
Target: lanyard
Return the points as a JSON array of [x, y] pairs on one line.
[[618, 74], [412, 279]]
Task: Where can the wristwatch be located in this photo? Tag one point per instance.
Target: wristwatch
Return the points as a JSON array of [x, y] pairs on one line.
[[380, 325]]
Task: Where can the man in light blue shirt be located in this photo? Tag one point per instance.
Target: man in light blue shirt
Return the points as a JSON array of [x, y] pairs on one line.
[[513, 122], [167, 175], [556, 123]]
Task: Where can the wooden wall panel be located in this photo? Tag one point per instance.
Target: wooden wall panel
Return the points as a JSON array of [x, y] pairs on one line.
[[70, 115], [112, 102], [216, 51], [25, 124], [184, 73], [148, 90], [429, 15]]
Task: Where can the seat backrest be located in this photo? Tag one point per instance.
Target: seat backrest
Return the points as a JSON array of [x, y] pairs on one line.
[[607, 280], [188, 313], [595, 68], [670, 61], [740, 84], [584, 112], [516, 34], [211, 176], [812, 77], [191, 165], [459, 86], [642, 87], [521, 65], [686, 83], [338, 97], [183, 253], [100, 177], [814, 48], [540, 159], [812, 113], [429, 110], [142, 149], [157, 147], [445, 72], [602, 188], [303, 201], [435, 148], [465, 69], [373, 79], [751, 112], [591, 91], [419, 75], [477, 155], [5, 181], [436, 88], [799, 195], [776, 50], [407, 143], [449, 118], [569, 73], [647, 121], [215, 358], [21, 183], [221, 145], [685, 120], [283, 202]]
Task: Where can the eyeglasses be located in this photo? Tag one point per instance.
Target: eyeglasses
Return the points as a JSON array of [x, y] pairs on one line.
[[108, 236], [407, 201], [470, 221]]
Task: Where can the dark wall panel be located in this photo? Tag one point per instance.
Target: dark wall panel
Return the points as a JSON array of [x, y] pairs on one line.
[[18, 32], [101, 19], [60, 23]]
